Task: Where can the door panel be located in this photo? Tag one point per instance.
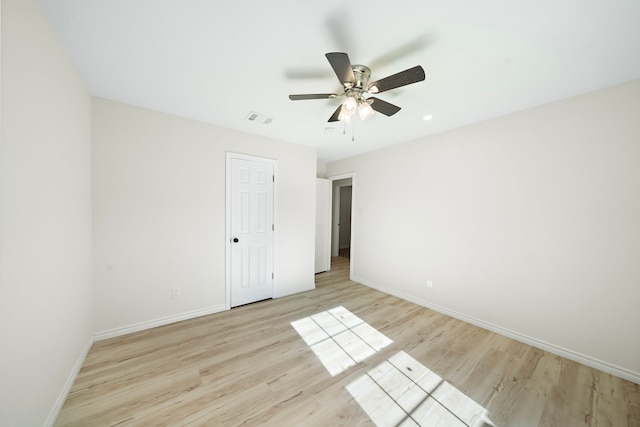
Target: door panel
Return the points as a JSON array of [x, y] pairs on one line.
[[251, 230]]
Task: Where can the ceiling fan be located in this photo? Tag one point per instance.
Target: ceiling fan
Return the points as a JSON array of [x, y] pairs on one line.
[[355, 80]]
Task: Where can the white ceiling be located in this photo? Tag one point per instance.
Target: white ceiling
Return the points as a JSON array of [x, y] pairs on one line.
[[215, 60]]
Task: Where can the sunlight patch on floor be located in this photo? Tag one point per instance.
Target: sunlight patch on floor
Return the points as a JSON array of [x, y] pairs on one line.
[[339, 338], [403, 392]]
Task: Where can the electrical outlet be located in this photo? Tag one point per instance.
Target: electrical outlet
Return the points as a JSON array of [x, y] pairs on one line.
[[176, 293], [430, 284]]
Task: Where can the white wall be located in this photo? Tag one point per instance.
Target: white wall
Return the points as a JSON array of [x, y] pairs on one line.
[[159, 215], [528, 224], [46, 302], [321, 169]]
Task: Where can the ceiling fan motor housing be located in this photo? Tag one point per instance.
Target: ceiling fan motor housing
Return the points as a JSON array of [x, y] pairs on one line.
[[362, 75]]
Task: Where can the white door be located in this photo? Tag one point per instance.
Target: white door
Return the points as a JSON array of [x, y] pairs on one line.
[[251, 230], [323, 225]]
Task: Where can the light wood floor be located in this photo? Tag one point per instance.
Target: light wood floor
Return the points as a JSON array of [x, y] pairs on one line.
[[249, 366]]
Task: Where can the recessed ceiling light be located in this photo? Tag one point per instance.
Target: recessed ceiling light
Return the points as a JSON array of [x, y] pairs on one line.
[[427, 117]]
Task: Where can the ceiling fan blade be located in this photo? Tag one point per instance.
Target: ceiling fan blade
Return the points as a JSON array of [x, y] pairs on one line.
[[408, 48], [383, 106], [403, 78], [313, 96], [341, 66], [334, 116]]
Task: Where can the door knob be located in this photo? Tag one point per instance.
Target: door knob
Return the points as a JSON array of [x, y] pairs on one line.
[[235, 240]]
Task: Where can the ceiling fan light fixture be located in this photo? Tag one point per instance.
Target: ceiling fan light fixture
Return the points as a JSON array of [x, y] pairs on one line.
[[344, 118], [373, 89], [345, 114], [350, 104], [348, 109], [365, 111]]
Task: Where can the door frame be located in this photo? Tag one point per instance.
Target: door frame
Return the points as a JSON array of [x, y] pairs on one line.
[[229, 156], [354, 216]]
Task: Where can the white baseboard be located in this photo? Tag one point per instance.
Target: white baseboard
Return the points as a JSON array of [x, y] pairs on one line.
[[57, 406], [116, 332], [294, 291], [551, 348]]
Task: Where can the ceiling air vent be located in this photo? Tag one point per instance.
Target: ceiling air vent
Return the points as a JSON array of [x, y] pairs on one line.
[[259, 118]]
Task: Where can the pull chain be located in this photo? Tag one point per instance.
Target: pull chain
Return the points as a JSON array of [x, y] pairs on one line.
[[353, 131]]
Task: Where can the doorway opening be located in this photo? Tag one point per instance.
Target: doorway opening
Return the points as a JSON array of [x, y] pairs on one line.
[[341, 246], [342, 218]]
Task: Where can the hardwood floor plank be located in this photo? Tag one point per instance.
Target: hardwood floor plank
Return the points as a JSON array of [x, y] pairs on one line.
[[249, 366]]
